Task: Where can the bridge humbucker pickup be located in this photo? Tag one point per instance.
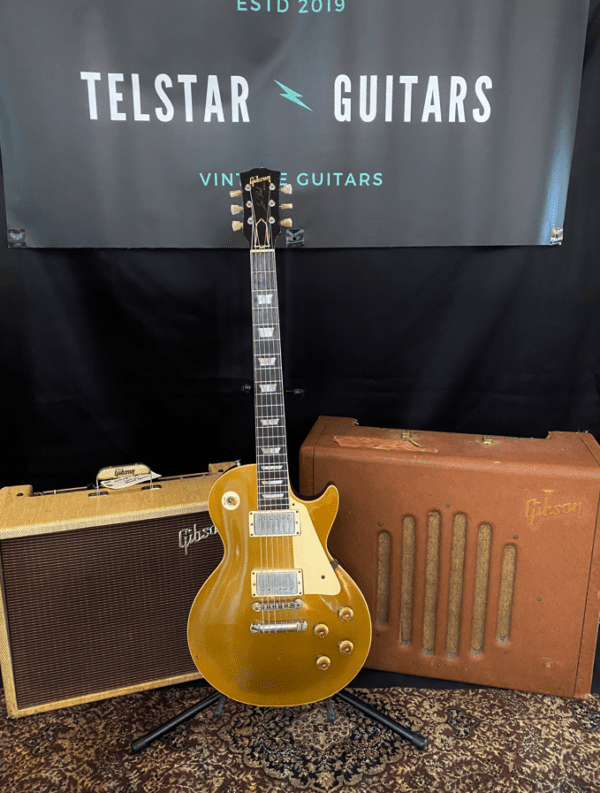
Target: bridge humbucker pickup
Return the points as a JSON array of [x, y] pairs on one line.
[[292, 626], [276, 583], [273, 523]]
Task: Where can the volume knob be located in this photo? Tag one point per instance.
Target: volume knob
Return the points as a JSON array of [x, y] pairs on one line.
[[345, 647], [321, 630], [323, 662], [345, 613]]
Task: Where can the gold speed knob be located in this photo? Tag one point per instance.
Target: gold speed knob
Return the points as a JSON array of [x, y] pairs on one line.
[[323, 662], [345, 613], [321, 630], [345, 647]]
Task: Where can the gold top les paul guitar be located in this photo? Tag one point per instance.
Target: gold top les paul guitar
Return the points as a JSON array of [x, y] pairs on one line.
[[279, 622]]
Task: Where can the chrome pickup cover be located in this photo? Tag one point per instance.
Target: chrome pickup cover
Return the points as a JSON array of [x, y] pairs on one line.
[[276, 583], [283, 523]]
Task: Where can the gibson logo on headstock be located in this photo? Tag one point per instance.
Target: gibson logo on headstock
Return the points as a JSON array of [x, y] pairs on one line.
[[255, 179]]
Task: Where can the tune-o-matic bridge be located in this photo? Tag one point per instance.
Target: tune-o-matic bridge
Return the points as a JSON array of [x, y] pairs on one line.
[[278, 605], [275, 523]]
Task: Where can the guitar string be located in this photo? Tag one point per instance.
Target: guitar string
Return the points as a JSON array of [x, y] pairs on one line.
[[255, 350], [274, 402], [273, 432]]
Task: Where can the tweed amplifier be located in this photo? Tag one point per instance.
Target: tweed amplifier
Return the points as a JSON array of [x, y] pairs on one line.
[[478, 556], [97, 584]]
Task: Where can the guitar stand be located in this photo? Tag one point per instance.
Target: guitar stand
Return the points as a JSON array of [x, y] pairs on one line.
[[417, 740]]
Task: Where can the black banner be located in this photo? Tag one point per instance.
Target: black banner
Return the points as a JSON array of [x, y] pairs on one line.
[[398, 123]]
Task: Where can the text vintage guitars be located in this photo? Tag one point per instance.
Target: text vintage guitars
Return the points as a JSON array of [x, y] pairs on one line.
[[279, 622]]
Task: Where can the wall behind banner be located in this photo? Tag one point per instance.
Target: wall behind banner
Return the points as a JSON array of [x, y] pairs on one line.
[[120, 356]]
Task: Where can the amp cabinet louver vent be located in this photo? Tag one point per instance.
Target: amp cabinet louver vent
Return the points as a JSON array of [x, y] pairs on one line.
[[430, 571]]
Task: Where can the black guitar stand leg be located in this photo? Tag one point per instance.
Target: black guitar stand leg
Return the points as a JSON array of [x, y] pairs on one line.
[[417, 740], [142, 743]]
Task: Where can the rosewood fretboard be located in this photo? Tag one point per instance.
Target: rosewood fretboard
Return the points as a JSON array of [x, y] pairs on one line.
[[269, 409]]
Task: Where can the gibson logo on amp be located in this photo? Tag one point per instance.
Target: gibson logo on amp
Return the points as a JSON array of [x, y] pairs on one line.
[[551, 508], [195, 534]]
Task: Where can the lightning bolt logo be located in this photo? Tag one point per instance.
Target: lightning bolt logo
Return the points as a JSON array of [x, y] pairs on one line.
[[293, 96]]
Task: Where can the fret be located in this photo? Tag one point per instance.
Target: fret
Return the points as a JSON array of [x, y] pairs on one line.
[[269, 407]]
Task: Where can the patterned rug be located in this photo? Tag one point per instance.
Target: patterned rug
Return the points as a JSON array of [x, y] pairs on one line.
[[479, 740]]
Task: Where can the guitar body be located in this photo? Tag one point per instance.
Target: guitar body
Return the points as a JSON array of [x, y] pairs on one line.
[[287, 648]]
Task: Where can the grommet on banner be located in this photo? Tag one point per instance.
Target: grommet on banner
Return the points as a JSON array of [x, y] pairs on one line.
[[17, 238], [294, 238], [556, 236]]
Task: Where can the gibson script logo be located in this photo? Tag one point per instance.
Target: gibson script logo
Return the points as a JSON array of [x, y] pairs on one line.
[[536, 509], [188, 536]]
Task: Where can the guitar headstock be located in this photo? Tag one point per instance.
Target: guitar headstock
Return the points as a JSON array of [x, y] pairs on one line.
[[260, 196]]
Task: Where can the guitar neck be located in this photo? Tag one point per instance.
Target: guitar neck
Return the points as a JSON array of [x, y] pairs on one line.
[[269, 408]]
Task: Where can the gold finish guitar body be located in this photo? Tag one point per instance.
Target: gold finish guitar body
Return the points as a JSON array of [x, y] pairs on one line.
[[279, 622]]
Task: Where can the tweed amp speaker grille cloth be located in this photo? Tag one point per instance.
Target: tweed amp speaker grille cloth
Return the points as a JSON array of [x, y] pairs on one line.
[[103, 607]]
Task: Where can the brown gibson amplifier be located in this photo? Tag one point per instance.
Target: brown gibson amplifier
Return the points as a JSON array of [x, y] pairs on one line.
[[477, 555], [97, 584]]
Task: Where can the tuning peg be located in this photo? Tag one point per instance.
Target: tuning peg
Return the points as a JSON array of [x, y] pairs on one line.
[[286, 206], [235, 193], [287, 189], [237, 225], [287, 222], [236, 209]]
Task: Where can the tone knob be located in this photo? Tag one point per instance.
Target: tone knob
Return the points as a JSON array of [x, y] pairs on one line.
[[345, 647], [323, 662], [321, 630], [345, 613]]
